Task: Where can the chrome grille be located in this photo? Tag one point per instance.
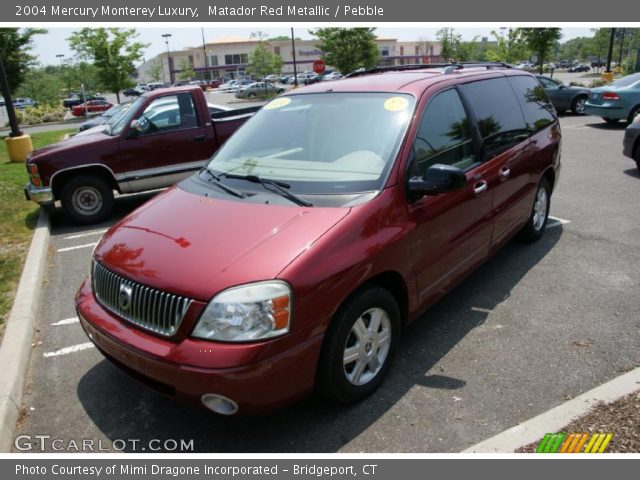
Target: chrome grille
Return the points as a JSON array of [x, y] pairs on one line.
[[147, 307]]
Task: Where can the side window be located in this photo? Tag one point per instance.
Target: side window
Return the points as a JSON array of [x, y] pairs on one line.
[[537, 109], [497, 113], [444, 135], [547, 83], [172, 112]]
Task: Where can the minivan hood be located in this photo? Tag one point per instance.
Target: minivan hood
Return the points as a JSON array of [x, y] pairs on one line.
[[196, 246]]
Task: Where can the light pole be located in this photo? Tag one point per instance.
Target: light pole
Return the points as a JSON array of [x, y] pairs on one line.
[[295, 68], [166, 37], [60, 56]]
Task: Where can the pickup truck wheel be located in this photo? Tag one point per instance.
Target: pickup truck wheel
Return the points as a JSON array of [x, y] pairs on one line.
[[359, 346], [537, 223], [577, 106], [87, 199]]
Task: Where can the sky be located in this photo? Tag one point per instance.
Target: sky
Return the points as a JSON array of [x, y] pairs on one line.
[[54, 43]]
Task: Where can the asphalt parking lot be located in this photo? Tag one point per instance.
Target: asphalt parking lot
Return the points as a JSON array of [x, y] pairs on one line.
[[535, 326]]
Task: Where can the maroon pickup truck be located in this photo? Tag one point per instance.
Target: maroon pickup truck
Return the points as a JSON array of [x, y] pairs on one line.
[[163, 137]]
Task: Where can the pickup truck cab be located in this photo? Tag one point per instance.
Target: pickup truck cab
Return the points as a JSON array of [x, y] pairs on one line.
[[164, 136]]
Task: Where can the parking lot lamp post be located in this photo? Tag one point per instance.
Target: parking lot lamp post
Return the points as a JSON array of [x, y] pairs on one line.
[[166, 37], [295, 69], [19, 146], [607, 76]]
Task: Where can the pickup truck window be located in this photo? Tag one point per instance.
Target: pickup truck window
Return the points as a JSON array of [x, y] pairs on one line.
[[171, 112], [123, 120], [325, 143]]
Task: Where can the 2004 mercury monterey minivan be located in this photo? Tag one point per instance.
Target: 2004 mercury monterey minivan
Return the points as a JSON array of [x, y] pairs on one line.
[[331, 219]]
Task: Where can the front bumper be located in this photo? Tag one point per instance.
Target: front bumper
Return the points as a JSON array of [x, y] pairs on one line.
[[631, 136], [257, 387], [43, 196]]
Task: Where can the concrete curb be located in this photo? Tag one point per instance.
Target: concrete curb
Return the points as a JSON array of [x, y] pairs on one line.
[[557, 418], [15, 349]]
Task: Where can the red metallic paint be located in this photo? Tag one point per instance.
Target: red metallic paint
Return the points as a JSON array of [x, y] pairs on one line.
[[196, 246]]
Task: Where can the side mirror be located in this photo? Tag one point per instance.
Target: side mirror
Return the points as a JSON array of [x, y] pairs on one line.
[[437, 179], [135, 129]]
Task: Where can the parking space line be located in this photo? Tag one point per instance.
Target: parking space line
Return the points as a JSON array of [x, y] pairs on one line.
[[556, 222], [87, 245], [67, 350], [66, 321], [88, 234]]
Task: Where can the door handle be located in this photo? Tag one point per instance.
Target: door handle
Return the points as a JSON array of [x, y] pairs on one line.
[[505, 172], [480, 187], [200, 138]]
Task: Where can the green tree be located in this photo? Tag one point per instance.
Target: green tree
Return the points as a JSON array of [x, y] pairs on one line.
[[509, 48], [348, 49], [43, 85], [15, 51], [113, 51], [540, 41], [155, 70], [186, 70], [454, 49], [262, 60]]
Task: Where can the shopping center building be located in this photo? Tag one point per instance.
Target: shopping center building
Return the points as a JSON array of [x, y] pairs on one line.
[[227, 57]]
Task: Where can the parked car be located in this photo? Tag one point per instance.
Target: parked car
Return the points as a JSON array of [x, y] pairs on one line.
[[619, 100], [104, 118], [24, 102], [136, 153], [631, 142], [579, 68], [91, 107], [132, 92], [565, 97], [258, 89], [318, 231], [77, 99], [332, 76]]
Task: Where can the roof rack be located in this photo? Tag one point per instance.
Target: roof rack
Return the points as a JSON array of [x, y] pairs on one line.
[[447, 67]]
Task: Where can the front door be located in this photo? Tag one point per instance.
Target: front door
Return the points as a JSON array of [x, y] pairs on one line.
[[452, 231], [170, 141]]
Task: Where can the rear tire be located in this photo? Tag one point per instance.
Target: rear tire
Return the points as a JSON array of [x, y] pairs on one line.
[[577, 106], [537, 223], [359, 346], [87, 199], [611, 121]]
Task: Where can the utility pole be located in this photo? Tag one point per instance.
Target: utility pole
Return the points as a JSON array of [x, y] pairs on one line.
[[166, 37], [207, 74]]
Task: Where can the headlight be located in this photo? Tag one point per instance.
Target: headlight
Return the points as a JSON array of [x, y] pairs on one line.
[[249, 312]]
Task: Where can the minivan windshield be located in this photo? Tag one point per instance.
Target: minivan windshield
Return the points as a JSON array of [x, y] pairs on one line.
[[321, 143]]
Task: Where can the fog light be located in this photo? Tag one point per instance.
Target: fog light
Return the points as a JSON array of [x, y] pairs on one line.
[[219, 404]]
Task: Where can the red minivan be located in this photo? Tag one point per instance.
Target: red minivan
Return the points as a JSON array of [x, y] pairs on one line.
[[331, 219]]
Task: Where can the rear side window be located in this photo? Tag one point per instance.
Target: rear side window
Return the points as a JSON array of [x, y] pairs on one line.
[[497, 113], [444, 135], [535, 104]]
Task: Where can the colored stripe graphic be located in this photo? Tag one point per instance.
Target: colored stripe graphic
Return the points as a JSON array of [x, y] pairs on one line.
[[574, 442]]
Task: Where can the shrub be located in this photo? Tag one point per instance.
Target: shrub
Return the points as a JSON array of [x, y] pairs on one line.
[[41, 114]]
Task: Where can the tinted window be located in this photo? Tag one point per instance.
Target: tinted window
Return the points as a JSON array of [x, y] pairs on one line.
[[170, 112], [444, 135], [497, 114], [537, 109]]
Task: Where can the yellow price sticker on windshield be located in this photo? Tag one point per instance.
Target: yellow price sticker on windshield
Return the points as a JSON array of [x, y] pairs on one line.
[[396, 104], [277, 103]]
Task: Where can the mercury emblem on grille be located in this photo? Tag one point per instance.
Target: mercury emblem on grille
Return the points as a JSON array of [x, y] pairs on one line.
[[124, 297]]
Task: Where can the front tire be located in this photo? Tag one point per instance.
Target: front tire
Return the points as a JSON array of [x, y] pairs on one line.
[[87, 199], [359, 346], [633, 114], [537, 222]]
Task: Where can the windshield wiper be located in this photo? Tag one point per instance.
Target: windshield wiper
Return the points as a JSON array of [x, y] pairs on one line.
[[224, 187], [274, 186]]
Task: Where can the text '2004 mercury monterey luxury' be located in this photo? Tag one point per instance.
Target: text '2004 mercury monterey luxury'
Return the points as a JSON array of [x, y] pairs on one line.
[[331, 219]]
